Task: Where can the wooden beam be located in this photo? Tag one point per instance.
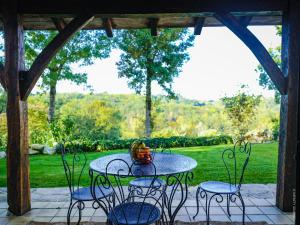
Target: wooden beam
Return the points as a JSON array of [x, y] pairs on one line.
[[59, 23], [107, 24], [2, 77], [257, 49], [289, 140], [72, 7], [245, 20], [49, 52], [18, 184], [199, 22], [153, 22]]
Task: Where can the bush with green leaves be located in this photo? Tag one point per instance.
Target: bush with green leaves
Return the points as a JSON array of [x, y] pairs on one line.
[[172, 142]]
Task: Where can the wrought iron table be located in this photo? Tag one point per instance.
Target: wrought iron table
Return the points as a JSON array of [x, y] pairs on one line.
[[174, 168]]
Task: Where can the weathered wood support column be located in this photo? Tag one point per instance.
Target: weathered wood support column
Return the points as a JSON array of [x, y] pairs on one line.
[[289, 113], [18, 185]]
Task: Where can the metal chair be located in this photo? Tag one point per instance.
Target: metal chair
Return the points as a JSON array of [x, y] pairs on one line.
[[137, 184], [217, 189], [130, 208], [74, 162]]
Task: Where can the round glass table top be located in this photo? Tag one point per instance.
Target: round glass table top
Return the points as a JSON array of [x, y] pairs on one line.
[[164, 164]]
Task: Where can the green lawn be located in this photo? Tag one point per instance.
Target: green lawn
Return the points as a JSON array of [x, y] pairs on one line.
[[47, 171]]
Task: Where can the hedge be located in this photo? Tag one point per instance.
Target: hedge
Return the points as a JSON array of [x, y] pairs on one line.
[[170, 142]]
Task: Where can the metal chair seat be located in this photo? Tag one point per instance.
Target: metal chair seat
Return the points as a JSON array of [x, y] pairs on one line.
[[218, 187], [146, 182], [135, 213], [84, 194]]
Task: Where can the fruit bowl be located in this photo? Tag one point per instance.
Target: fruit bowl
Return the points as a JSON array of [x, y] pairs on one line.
[[140, 153]]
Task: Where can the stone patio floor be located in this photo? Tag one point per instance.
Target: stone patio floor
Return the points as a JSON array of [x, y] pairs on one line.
[[51, 205]]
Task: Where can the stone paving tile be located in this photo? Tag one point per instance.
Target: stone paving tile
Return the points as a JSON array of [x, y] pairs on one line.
[[3, 212], [233, 210], [239, 218], [4, 220], [291, 216], [99, 212], [192, 211], [280, 219], [219, 218], [21, 220], [3, 205], [216, 211], [39, 205], [272, 201], [41, 212], [84, 218], [260, 202], [212, 203], [98, 219], [270, 210], [88, 212], [64, 212], [59, 219], [191, 202], [252, 210], [199, 218], [247, 202], [52, 204], [224, 203], [184, 218], [181, 212], [55, 205], [257, 218]]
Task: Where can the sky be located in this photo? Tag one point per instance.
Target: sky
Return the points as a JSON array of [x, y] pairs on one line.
[[219, 64]]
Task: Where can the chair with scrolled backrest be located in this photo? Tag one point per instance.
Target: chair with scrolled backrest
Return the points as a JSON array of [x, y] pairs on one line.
[[74, 163], [143, 182], [234, 169], [129, 208]]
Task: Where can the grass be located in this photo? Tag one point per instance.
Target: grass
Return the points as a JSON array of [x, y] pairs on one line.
[[47, 171]]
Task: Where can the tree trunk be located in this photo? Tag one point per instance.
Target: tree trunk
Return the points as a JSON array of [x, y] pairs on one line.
[[52, 96], [148, 106]]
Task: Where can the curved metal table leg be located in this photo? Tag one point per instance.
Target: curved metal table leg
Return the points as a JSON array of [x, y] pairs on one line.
[[178, 184]]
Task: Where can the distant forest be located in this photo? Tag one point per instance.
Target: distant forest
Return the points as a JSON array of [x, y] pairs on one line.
[[120, 116]]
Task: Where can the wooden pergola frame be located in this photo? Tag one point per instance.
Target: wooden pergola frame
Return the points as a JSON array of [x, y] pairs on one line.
[[234, 14]]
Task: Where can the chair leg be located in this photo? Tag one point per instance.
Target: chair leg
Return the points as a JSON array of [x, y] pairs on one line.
[[228, 205], [80, 206], [243, 205], [197, 202], [69, 213]]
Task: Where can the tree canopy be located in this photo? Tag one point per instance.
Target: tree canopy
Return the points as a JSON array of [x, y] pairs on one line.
[[147, 58], [264, 79], [82, 49], [241, 110]]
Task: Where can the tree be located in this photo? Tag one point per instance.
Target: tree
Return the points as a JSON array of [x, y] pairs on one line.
[[91, 119], [147, 58], [241, 110], [264, 79], [83, 48]]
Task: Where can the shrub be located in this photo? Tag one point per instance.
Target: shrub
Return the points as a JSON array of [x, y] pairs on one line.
[[171, 142]]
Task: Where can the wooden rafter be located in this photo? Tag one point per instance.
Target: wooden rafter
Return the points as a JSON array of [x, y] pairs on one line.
[[147, 7], [257, 49], [59, 23], [199, 22], [245, 20], [153, 22], [30, 77], [107, 23], [2, 77]]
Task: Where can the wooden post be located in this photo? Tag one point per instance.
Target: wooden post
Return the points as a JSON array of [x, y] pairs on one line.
[[289, 113], [18, 185]]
